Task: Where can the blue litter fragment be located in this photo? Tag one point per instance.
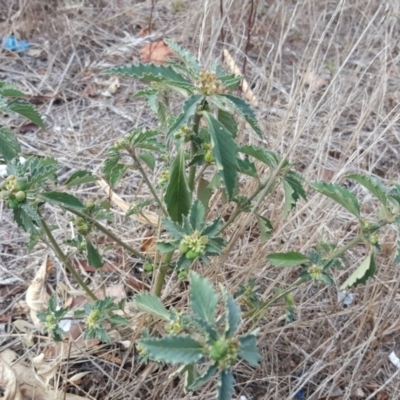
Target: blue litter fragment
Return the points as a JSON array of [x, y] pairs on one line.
[[12, 44], [300, 395]]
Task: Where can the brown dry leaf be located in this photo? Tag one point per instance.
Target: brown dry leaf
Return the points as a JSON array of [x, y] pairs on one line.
[[148, 245], [26, 382], [149, 217], [36, 295], [8, 381], [46, 369], [111, 358], [156, 52]]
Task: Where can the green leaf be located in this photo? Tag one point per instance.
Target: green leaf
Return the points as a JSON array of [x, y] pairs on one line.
[[80, 177], [232, 315], [10, 89], [26, 110], [186, 56], [227, 119], [247, 167], [204, 192], [62, 199], [245, 110], [248, 349], [173, 349], [188, 111], [173, 228], [293, 189], [113, 171], [116, 319], [341, 195], [165, 247], [373, 185], [364, 271], [178, 197], [224, 152], [197, 214], [149, 159], [203, 299], [27, 218], [149, 73], [288, 259], [93, 256], [231, 81], [263, 155], [203, 378], [9, 145], [151, 304], [265, 226], [225, 385]]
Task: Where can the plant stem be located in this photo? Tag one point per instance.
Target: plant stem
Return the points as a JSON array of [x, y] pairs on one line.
[[263, 306], [192, 169], [147, 180], [64, 259], [161, 273], [111, 235]]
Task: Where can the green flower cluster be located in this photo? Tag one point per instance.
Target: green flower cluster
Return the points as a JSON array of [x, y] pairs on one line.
[[13, 191], [193, 245]]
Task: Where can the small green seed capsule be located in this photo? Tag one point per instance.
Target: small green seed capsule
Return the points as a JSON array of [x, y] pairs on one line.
[[183, 247], [10, 178], [90, 205], [13, 204], [148, 267], [79, 221], [5, 194], [21, 183], [203, 240], [3, 185], [208, 157], [20, 196], [183, 275], [191, 255]]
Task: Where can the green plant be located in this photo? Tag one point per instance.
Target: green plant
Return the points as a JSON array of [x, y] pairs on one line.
[[198, 153], [200, 339]]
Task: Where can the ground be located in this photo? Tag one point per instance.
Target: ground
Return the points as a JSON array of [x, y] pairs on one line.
[[326, 79]]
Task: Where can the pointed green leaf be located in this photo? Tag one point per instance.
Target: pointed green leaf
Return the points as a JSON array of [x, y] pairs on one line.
[[373, 185], [197, 214], [204, 192], [245, 110], [148, 72], [62, 199], [232, 315], [151, 304], [93, 256], [227, 119], [178, 197], [173, 349], [288, 259], [265, 226], [364, 271], [186, 56], [206, 376], [26, 110], [80, 177], [248, 349], [188, 111], [225, 385], [27, 218], [397, 224], [9, 145], [149, 159], [116, 319], [173, 228], [341, 195], [203, 299], [247, 167], [225, 153], [293, 189], [10, 89], [113, 171], [263, 155], [231, 81]]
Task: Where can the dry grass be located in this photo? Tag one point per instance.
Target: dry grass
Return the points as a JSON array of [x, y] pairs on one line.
[[327, 77]]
